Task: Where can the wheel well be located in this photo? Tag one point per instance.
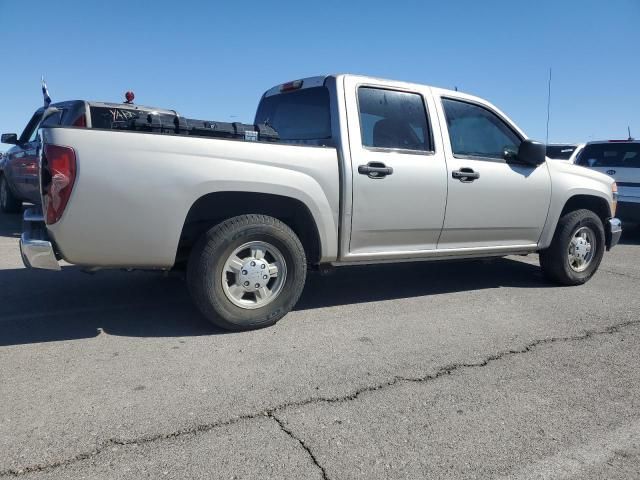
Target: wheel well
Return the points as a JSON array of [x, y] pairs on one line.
[[214, 208], [597, 205]]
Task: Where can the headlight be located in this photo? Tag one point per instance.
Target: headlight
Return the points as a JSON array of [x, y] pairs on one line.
[[614, 198]]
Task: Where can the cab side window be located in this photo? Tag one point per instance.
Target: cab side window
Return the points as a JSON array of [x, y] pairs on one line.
[[475, 131], [393, 120]]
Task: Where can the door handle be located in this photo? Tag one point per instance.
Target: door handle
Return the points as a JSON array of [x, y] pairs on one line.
[[465, 175], [375, 170]]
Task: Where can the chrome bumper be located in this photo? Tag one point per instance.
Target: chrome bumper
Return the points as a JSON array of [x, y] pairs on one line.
[[614, 232], [35, 247]]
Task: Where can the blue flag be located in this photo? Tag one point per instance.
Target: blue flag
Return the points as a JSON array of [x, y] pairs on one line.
[[45, 94]]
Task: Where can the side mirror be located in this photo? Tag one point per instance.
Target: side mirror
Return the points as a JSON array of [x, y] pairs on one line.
[[10, 138], [532, 152]]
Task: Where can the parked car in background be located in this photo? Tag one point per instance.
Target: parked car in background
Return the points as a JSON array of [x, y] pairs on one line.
[[576, 152], [19, 167], [561, 151], [619, 159]]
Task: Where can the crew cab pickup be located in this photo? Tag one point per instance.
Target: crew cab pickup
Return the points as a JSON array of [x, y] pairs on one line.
[[364, 171]]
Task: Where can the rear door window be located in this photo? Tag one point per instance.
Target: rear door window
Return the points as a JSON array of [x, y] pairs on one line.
[[393, 119]]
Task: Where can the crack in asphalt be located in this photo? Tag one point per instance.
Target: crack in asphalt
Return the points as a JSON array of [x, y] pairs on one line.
[[270, 412], [314, 459], [620, 274]]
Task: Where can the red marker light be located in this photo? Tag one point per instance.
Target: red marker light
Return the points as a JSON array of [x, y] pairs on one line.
[[129, 96]]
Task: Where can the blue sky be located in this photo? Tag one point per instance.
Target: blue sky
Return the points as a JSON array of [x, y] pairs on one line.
[[213, 59]]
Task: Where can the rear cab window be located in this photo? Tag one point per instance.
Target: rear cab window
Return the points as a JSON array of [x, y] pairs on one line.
[[103, 117], [299, 116]]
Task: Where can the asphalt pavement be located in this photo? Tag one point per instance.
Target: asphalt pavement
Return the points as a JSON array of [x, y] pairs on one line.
[[465, 370]]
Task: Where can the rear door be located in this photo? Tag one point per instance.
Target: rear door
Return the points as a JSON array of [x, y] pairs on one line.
[[398, 168]]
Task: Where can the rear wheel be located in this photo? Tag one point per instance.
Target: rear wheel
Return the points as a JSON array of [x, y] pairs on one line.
[[8, 202], [576, 250], [247, 272]]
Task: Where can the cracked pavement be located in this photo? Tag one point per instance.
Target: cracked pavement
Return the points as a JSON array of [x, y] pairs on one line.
[[436, 370]]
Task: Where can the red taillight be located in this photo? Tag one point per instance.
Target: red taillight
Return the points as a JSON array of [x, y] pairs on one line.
[[80, 121], [61, 168]]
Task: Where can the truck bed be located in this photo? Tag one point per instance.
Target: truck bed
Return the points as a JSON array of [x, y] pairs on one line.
[[174, 124], [153, 181]]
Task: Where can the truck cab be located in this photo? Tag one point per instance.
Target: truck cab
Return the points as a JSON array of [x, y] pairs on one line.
[[424, 169]]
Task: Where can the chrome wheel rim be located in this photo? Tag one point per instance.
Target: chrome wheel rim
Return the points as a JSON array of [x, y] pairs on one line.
[[254, 274], [582, 248]]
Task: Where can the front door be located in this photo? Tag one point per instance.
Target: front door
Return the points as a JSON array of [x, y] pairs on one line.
[[491, 202], [398, 171]]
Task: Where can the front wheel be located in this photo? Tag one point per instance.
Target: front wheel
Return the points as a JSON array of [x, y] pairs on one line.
[[576, 250], [8, 202], [247, 272]]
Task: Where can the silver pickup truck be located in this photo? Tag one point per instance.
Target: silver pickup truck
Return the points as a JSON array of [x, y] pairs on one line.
[[364, 171]]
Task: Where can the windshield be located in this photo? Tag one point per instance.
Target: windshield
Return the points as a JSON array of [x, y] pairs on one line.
[[298, 115], [560, 152], [30, 132], [620, 155]]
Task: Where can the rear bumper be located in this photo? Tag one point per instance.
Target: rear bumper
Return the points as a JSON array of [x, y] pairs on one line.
[[614, 232], [36, 249]]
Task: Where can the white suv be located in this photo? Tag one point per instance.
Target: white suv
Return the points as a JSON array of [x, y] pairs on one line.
[[619, 159]]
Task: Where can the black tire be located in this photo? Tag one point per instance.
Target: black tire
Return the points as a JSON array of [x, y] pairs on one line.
[[555, 261], [206, 266], [8, 202]]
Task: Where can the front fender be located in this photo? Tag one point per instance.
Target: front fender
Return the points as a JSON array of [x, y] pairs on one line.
[[568, 181]]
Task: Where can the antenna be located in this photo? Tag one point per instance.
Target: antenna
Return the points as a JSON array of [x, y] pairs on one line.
[[548, 105], [629, 131]]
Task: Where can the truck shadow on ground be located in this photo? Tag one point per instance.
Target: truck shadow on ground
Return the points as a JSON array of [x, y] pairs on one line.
[[42, 306]]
